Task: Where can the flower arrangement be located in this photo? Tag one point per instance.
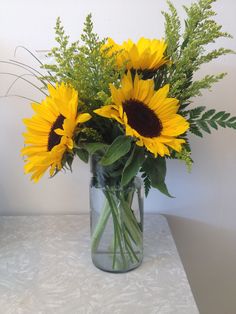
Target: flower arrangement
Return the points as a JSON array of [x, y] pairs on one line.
[[128, 105], [131, 103]]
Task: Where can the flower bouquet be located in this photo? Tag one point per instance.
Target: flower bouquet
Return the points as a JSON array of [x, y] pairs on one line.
[[126, 108]]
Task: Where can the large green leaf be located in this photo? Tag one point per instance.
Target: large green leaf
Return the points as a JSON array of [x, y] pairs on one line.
[[156, 167], [156, 170], [120, 147], [161, 186], [94, 147], [82, 154], [133, 164]]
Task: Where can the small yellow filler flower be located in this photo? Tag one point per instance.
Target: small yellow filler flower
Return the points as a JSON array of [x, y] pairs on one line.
[[50, 131], [147, 115]]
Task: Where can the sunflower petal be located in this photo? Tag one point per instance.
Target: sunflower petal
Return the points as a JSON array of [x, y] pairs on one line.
[[106, 111], [83, 117]]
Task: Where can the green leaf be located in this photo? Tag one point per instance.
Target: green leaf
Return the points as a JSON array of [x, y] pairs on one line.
[[231, 120], [195, 113], [94, 147], [203, 125], [221, 123], [116, 173], [147, 183], [161, 186], [225, 116], [183, 106], [208, 114], [133, 165], [210, 118], [213, 124], [120, 147], [82, 154], [156, 171], [195, 130], [69, 160], [218, 115]]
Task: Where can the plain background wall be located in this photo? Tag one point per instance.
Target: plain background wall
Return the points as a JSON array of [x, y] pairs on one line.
[[203, 214]]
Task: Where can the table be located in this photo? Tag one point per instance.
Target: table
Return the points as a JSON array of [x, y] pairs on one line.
[[45, 268]]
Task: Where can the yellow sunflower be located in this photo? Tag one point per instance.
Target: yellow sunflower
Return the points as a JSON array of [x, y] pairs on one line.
[[146, 114], [145, 55], [50, 131]]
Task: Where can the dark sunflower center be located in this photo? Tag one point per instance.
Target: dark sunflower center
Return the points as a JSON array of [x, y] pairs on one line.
[[142, 119], [146, 73], [53, 138]]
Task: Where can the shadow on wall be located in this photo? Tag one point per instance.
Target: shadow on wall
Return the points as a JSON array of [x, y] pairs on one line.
[[208, 254], [4, 203]]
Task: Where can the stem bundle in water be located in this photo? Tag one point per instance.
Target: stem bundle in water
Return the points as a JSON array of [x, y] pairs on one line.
[[116, 229]]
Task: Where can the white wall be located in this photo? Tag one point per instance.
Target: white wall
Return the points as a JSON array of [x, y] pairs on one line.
[[202, 216]]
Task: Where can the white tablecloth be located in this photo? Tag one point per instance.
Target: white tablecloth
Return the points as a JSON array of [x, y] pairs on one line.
[[45, 268]]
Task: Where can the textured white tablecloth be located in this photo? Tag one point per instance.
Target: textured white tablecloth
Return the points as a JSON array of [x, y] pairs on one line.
[[45, 268]]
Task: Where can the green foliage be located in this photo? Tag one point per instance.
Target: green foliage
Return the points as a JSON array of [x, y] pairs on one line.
[[203, 121], [133, 164], [155, 168], [185, 156], [82, 154], [172, 31], [116, 150], [146, 181], [196, 112], [189, 50], [93, 148], [87, 134], [83, 66], [67, 161]]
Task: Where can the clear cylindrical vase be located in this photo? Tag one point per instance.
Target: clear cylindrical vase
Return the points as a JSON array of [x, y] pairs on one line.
[[116, 226]]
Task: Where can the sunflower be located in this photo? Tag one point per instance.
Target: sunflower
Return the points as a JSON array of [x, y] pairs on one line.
[[147, 115], [50, 131], [146, 55]]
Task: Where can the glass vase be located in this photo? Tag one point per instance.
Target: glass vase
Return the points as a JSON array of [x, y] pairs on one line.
[[116, 221]]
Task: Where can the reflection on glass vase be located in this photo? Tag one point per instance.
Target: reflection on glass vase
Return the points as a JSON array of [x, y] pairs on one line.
[[116, 225]]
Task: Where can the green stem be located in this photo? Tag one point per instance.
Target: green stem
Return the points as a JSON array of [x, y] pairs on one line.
[[114, 256], [131, 222], [117, 227], [97, 234], [129, 246]]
